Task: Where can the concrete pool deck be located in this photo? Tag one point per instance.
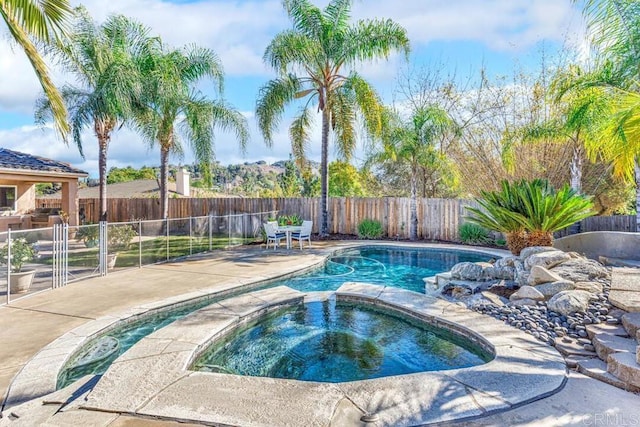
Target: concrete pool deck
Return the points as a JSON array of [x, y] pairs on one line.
[[30, 324]]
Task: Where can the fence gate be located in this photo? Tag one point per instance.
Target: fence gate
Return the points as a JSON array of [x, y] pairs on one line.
[[60, 255]]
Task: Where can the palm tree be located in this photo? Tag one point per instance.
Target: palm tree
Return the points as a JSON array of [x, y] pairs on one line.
[[103, 60], [171, 107], [413, 142], [310, 60], [615, 25], [575, 121], [46, 21]]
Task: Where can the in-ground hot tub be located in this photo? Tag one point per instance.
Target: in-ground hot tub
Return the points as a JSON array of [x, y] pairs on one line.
[[335, 342], [155, 378]]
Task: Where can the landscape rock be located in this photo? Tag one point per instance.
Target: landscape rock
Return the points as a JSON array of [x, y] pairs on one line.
[[540, 275], [508, 261], [550, 289], [460, 292], [527, 292], [593, 287], [581, 270], [501, 272], [547, 259], [493, 298], [569, 302], [523, 301], [532, 250], [472, 271], [502, 289]]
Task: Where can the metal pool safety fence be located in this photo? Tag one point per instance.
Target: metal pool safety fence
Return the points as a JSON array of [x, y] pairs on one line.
[[48, 258]]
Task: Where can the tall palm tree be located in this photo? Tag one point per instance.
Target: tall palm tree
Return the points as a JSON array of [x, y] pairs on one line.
[[46, 21], [310, 60], [413, 142], [171, 107], [103, 60], [615, 26]]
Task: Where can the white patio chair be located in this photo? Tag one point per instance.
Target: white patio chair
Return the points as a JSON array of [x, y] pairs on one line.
[[273, 235], [304, 234]]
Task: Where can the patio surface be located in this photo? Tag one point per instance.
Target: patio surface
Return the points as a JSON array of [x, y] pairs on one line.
[[32, 323]]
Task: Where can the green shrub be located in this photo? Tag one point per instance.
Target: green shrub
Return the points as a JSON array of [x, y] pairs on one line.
[[121, 236], [370, 229], [21, 252], [474, 234]]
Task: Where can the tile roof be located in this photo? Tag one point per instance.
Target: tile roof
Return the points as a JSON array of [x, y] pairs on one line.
[[10, 159]]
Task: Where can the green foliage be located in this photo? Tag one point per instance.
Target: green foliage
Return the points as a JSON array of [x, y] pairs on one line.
[[474, 234], [370, 229], [290, 181], [120, 236], [88, 234], [530, 206], [344, 180], [290, 220], [21, 252], [128, 174]]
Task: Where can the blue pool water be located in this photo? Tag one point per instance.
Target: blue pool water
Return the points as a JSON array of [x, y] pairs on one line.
[[403, 268], [322, 341]]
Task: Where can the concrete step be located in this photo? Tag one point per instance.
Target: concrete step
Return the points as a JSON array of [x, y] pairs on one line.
[[625, 366], [606, 345], [631, 322], [573, 349], [597, 369], [603, 328]]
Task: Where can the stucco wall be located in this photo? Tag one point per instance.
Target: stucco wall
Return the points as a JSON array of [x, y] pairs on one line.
[[613, 244]]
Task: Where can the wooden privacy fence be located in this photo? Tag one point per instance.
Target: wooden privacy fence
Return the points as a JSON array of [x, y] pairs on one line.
[[438, 219]]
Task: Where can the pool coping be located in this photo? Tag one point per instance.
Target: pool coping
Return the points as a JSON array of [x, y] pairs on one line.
[[39, 376], [152, 379]]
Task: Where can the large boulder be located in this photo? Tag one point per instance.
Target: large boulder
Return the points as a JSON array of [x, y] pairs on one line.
[[532, 250], [569, 302], [472, 271], [547, 259], [527, 292], [552, 288], [581, 270], [540, 275], [593, 287]]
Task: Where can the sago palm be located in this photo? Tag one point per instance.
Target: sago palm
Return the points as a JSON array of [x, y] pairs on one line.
[[528, 212], [314, 60], [413, 142], [498, 213], [103, 60], [46, 21], [171, 108]]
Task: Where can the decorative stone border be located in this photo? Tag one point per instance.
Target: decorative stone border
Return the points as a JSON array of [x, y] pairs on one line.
[[152, 378]]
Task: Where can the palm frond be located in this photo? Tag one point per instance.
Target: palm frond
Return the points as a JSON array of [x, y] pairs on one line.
[[272, 100]]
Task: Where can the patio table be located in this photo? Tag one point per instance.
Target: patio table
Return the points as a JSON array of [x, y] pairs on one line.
[[288, 229]]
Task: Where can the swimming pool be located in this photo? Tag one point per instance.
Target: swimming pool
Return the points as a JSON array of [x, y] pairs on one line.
[[390, 266]]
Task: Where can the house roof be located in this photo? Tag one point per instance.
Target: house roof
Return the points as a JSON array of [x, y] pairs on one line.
[[16, 161]]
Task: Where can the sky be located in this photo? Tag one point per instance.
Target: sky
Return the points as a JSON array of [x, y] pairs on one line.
[[458, 36]]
